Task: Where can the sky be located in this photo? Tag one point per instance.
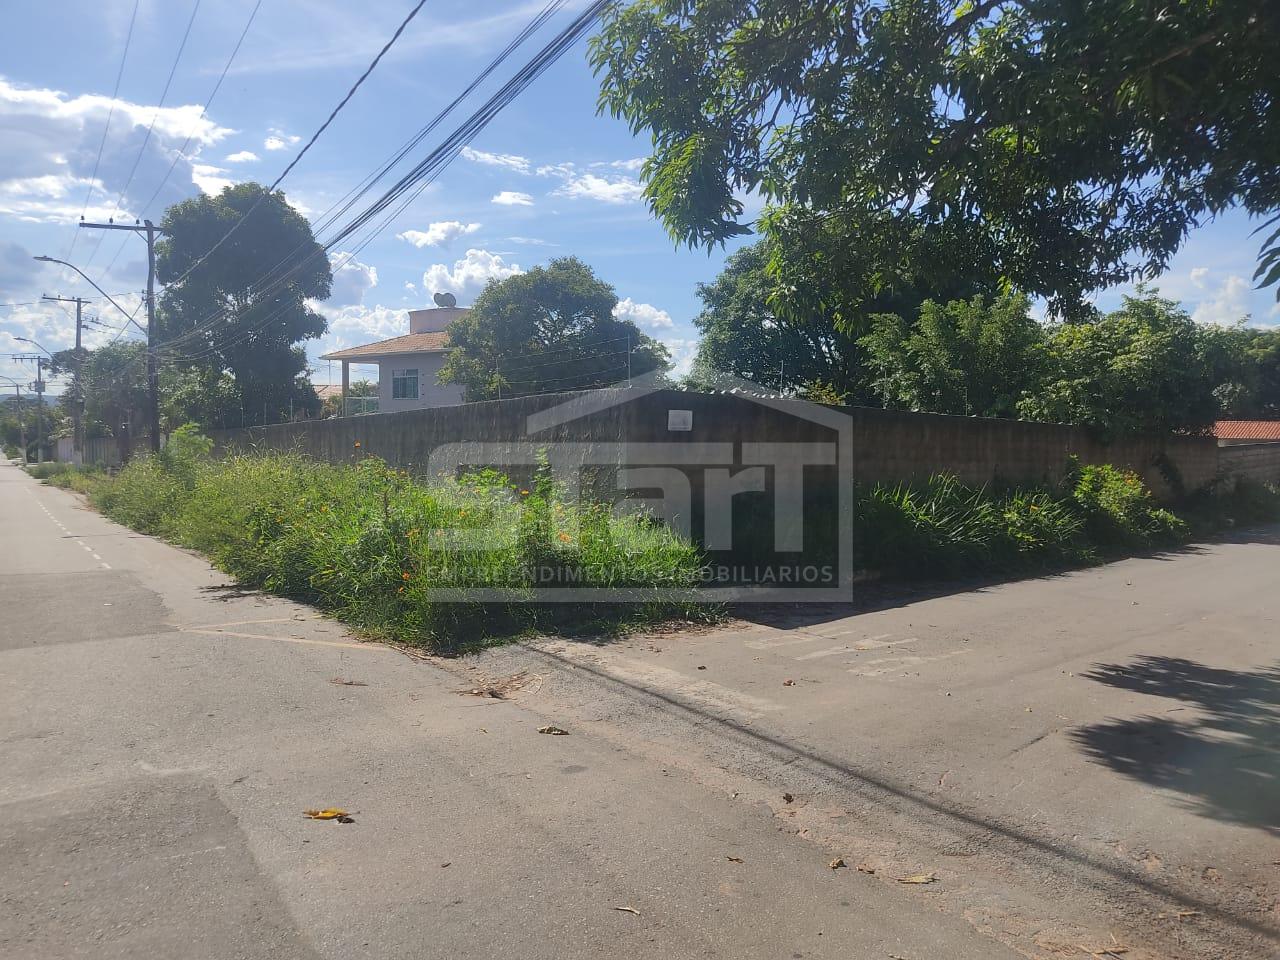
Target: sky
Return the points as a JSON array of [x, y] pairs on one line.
[[548, 177]]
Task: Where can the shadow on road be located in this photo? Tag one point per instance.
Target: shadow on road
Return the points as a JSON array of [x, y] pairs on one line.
[[1221, 751]]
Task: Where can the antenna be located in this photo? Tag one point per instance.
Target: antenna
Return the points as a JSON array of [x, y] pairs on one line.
[[445, 299]]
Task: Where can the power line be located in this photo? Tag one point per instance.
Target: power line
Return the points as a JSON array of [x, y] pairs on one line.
[[159, 106], [181, 154], [315, 136], [206, 326], [115, 91], [440, 157]]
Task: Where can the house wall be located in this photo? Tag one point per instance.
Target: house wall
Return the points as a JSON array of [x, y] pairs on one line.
[[430, 392]]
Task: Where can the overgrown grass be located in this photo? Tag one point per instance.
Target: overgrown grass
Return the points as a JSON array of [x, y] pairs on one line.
[[398, 558], [944, 528]]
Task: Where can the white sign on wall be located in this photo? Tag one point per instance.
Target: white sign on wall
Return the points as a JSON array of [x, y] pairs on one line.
[[681, 420]]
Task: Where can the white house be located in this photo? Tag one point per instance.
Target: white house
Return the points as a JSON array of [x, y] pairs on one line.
[[407, 365]]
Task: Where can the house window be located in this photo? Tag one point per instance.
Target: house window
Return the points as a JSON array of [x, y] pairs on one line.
[[404, 384]]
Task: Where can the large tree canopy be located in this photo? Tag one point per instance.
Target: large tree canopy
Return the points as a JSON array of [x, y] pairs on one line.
[[239, 304], [550, 329], [1066, 146], [966, 357]]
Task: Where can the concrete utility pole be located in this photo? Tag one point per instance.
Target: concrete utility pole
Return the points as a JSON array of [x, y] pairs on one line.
[[77, 409], [149, 230]]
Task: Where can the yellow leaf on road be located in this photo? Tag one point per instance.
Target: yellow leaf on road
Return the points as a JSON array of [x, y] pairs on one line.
[[330, 813]]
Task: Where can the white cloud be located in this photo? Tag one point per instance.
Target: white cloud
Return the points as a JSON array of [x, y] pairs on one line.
[[438, 234], [1197, 276], [242, 156], [513, 198], [351, 280], [411, 286], [561, 170], [683, 353], [1229, 305], [643, 315], [469, 275], [49, 143], [588, 186], [631, 166], [355, 324], [508, 161], [209, 178], [531, 241], [279, 140]]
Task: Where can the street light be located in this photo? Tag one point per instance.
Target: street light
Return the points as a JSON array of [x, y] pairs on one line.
[[34, 344], [96, 287]]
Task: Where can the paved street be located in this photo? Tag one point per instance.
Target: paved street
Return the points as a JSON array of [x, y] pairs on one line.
[[1069, 764]]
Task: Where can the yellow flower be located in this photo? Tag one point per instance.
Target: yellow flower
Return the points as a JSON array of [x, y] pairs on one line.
[[524, 493]]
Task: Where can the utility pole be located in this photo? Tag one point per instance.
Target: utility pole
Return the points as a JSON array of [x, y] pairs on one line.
[[149, 230], [77, 409], [38, 387]]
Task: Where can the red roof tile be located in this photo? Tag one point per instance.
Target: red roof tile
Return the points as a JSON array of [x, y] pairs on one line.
[[436, 342], [1247, 429]]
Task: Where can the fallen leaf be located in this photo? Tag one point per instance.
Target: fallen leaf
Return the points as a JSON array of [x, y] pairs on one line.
[[345, 819], [445, 864], [788, 683], [866, 868], [628, 910], [919, 878], [702, 668], [556, 732], [787, 798], [837, 863], [329, 813], [348, 683], [734, 859]]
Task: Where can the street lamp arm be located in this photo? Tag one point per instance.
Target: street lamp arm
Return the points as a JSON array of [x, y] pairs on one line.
[[96, 287]]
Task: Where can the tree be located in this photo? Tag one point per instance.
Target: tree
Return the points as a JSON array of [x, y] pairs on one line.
[[1067, 146], [240, 305], [972, 358], [550, 329], [1142, 369], [744, 337]]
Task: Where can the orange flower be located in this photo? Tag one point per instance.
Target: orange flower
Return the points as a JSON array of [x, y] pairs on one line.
[[399, 589], [404, 576], [357, 444], [564, 537]]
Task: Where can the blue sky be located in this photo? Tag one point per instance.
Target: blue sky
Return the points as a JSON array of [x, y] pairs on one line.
[[548, 177]]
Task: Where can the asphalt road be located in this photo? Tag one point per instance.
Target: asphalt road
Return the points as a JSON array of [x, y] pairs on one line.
[[1078, 763]]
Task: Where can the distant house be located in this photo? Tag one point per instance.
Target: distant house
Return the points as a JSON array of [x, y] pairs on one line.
[[408, 365], [1231, 432]]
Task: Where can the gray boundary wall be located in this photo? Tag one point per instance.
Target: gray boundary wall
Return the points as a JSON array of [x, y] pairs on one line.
[[889, 446], [1257, 461]]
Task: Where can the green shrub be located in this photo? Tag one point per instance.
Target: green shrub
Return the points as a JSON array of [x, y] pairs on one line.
[[1119, 512], [944, 528]]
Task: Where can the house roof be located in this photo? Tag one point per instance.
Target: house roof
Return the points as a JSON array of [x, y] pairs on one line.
[[436, 342], [1247, 429]]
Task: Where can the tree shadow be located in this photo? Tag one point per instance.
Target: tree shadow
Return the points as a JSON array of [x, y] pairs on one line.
[[1221, 751]]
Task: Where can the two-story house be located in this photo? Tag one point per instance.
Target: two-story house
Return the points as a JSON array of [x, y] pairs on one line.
[[407, 365]]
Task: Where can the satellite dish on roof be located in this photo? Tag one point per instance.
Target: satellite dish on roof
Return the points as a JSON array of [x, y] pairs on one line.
[[445, 299]]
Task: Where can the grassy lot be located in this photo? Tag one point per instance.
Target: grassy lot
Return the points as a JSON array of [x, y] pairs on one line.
[[392, 555]]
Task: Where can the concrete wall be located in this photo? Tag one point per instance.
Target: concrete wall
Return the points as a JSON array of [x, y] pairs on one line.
[[888, 446], [430, 392], [1257, 461]]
